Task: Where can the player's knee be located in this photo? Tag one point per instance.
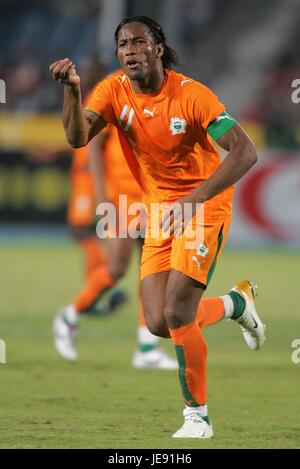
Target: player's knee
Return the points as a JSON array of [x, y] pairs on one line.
[[175, 312], [157, 328], [159, 331]]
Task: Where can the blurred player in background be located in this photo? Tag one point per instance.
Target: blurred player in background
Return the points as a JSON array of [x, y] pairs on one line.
[[99, 173]]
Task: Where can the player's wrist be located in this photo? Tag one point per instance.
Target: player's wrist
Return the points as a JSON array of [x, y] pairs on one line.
[[200, 199], [73, 89], [197, 196]]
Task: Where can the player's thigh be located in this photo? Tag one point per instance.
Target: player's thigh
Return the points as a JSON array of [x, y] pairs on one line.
[[155, 268], [198, 259], [183, 294], [153, 290], [119, 252]]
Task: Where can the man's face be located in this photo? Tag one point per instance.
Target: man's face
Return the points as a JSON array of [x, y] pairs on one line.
[[137, 51]]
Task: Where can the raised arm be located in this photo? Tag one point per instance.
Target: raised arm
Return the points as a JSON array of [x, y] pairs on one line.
[[80, 126]]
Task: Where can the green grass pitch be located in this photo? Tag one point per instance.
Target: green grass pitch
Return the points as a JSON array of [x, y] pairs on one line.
[[101, 401]]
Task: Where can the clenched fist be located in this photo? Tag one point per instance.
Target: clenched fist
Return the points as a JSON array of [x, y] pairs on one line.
[[64, 72]]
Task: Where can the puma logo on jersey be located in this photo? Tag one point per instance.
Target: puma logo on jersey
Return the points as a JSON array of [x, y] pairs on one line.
[[183, 82], [151, 113], [177, 125], [219, 118]]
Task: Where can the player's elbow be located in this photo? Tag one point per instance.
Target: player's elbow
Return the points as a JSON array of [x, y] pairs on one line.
[[77, 141], [76, 137], [76, 144]]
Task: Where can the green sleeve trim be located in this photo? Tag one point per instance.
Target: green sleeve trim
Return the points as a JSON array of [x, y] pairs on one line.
[[96, 113], [221, 125]]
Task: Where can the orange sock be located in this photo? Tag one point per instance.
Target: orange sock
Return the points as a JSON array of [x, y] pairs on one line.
[[210, 311], [191, 351], [96, 284], [94, 256]]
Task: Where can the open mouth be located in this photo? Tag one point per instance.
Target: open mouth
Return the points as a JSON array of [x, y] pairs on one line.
[[132, 64]]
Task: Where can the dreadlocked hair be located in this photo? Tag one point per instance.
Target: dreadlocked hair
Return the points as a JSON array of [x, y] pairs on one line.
[[169, 57]]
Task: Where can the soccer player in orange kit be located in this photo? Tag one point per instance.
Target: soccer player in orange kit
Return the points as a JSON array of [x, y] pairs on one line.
[[166, 123]]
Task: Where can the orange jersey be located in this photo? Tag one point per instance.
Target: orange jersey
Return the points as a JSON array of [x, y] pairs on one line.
[[163, 136], [118, 177]]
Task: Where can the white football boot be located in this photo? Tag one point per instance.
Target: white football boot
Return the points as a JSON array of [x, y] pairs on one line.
[[194, 425], [252, 327], [64, 337], [155, 359]]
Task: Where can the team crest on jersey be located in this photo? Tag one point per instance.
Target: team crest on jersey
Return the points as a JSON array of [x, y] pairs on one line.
[[177, 125], [202, 250]]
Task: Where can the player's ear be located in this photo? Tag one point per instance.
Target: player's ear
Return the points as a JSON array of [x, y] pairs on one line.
[[159, 50]]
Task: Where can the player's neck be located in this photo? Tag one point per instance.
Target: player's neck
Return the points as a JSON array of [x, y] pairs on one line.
[[152, 83]]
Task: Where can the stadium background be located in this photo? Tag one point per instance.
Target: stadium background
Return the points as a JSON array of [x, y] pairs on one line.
[[249, 57]]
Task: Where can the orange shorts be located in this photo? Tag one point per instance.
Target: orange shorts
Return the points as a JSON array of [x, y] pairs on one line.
[[194, 259], [82, 209]]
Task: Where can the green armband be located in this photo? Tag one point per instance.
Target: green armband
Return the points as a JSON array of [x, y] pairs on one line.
[[220, 125]]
